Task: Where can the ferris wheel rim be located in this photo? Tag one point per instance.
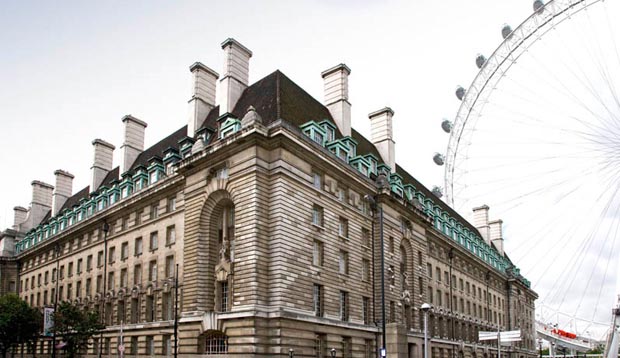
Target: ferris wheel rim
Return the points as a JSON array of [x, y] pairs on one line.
[[479, 90]]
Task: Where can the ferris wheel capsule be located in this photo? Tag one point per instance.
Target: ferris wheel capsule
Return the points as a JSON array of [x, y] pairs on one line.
[[539, 6], [437, 191], [480, 60], [438, 159], [446, 125], [460, 93], [506, 31]]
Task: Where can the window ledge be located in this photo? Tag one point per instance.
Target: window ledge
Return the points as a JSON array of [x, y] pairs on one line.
[[318, 227]]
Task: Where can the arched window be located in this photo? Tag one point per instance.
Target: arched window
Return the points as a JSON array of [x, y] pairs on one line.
[[216, 342], [226, 232]]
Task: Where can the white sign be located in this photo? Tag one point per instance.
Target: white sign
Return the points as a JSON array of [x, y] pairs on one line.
[[505, 337], [48, 321]]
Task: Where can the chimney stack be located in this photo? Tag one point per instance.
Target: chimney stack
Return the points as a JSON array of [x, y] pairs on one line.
[[204, 80], [481, 221], [20, 215], [133, 141], [62, 190], [236, 73], [336, 88], [102, 162], [40, 205], [381, 135], [495, 235]]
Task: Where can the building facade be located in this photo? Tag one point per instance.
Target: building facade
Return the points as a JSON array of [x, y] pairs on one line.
[[292, 235]]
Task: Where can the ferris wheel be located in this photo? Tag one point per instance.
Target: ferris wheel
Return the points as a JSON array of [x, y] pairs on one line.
[[537, 139]]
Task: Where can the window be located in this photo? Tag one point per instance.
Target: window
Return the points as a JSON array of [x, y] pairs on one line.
[[429, 290], [54, 274], [46, 278], [366, 310], [153, 241], [446, 277], [110, 280], [438, 274], [346, 347], [120, 312], [341, 194], [429, 271], [365, 237], [344, 306], [88, 287], [317, 215], [150, 345], [368, 350], [166, 349], [79, 266], [392, 275], [167, 303], [224, 296], [391, 245], [99, 284], [137, 274], [100, 259], [70, 269], [153, 213], [89, 262], [124, 277], [439, 298], [124, 250], [150, 308], [343, 262], [317, 253], [133, 349], [138, 219], [392, 312], [317, 180], [170, 235], [138, 247], [78, 289], [135, 311], [171, 205], [320, 346], [153, 270], [365, 270], [62, 274], [170, 266], [124, 223], [343, 227], [317, 300], [420, 258], [216, 343], [111, 255], [39, 280]]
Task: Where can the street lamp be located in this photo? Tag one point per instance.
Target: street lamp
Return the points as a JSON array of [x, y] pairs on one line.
[[105, 229], [333, 352], [540, 346], [290, 352], [375, 207], [425, 308]]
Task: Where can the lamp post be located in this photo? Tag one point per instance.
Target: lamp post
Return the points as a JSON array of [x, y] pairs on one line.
[[291, 353], [375, 207], [332, 352], [425, 308], [450, 257], [105, 228], [540, 347], [176, 311], [57, 252]]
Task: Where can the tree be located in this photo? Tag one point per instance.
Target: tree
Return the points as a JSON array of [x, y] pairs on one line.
[[76, 327], [19, 323]]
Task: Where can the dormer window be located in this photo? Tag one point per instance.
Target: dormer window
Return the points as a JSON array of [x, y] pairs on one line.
[[318, 137], [329, 130], [314, 131], [230, 126]]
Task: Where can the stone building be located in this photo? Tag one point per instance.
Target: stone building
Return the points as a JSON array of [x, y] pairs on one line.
[[277, 214]]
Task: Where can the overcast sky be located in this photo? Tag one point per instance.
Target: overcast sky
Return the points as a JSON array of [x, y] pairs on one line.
[[70, 70]]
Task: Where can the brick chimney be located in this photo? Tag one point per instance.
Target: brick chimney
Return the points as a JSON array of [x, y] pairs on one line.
[[62, 190], [495, 235], [204, 80], [336, 89], [481, 221], [133, 141], [236, 74], [102, 162], [381, 135]]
